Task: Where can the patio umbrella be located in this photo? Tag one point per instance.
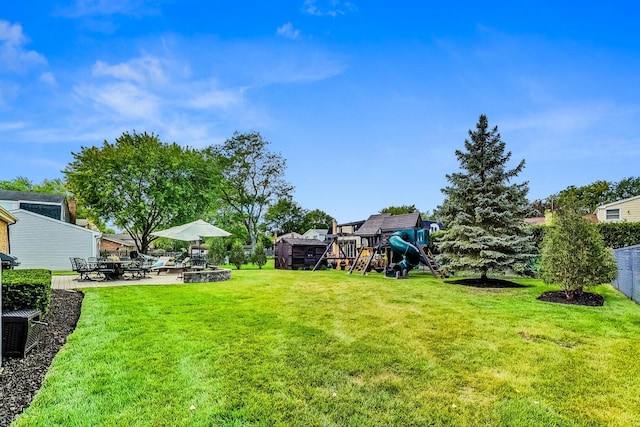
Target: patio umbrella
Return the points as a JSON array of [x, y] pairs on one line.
[[192, 231]]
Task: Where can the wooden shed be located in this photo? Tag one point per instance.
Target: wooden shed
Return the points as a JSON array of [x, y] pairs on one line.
[[297, 254]]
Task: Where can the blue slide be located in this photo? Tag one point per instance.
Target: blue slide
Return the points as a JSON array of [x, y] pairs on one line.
[[400, 244]]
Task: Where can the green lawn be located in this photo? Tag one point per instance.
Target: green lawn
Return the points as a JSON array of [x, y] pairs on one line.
[[326, 348]]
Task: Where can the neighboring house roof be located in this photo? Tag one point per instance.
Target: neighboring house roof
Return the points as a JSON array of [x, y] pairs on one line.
[[388, 222], [20, 212], [121, 239], [617, 202], [293, 234], [538, 220], [82, 223], [31, 197], [591, 218], [303, 242], [7, 217], [346, 224], [312, 232]]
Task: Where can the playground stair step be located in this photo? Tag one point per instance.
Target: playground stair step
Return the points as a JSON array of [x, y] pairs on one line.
[[361, 263], [429, 260]]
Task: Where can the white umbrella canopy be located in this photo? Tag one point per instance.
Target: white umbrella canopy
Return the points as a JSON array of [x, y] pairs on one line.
[[192, 231]]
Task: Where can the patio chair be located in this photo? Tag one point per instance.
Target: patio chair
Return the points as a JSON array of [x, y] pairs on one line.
[[132, 270], [80, 266], [100, 271]]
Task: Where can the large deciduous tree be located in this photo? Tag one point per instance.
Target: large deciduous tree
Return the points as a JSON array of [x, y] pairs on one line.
[[483, 210], [317, 218], [285, 216], [252, 178], [399, 210], [586, 198], [142, 184], [47, 186], [573, 255]]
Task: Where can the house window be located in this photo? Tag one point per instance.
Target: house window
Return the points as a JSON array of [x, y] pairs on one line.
[[613, 214]]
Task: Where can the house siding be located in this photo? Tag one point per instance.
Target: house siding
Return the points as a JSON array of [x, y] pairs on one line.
[[629, 211], [6, 219], [4, 236], [42, 242]]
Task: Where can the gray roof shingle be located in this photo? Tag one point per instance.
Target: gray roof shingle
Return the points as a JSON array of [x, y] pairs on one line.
[[388, 222], [26, 196]]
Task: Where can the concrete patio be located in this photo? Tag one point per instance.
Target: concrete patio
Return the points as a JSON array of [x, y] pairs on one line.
[[71, 282]]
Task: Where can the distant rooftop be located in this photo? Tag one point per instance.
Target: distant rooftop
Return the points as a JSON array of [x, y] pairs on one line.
[[26, 196]]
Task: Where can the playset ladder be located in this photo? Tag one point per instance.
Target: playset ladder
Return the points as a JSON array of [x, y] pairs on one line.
[[427, 258]]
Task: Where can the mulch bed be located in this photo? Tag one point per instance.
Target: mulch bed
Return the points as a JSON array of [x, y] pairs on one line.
[[585, 298], [21, 378]]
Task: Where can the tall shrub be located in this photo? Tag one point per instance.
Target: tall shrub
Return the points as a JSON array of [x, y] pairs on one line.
[[258, 256], [236, 255], [217, 251], [574, 256]]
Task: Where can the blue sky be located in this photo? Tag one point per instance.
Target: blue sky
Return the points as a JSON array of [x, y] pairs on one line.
[[367, 101]]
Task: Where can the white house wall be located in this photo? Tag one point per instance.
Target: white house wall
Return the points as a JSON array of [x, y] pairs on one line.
[[42, 242]]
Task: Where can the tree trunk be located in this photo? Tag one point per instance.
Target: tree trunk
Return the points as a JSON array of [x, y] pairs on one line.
[[483, 277], [572, 293]]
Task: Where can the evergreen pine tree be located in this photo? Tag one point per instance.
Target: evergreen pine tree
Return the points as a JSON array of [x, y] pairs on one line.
[[236, 254], [483, 210], [258, 256]]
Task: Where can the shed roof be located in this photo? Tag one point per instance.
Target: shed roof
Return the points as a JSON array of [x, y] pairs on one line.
[[27, 196], [303, 242], [388, 222]]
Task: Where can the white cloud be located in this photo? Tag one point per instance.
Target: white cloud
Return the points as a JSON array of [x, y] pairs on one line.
[[8, 91], [48, 78], [11, 126], [288, 31], [82, 8], [13, 55], [139, 70], [566, 119], [215, 97], [328, 7], [125, 99]]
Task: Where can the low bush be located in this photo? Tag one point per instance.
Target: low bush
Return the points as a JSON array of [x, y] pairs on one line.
[[26, 289]]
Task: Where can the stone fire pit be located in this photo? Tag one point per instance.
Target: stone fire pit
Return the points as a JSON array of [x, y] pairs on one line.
[[210, 275]]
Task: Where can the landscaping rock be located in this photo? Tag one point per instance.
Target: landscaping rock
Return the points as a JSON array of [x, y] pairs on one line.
[[21, 378]]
